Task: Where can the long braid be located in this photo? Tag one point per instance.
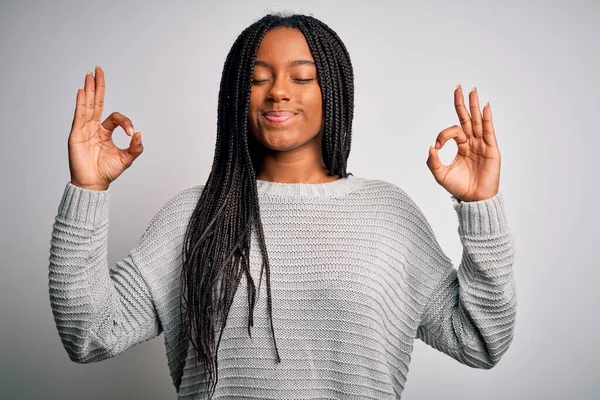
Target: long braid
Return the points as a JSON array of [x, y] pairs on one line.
[[216, 248], [335, 98], [265, 263]]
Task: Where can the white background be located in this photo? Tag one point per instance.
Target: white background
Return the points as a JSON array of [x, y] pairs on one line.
[[537, 64]]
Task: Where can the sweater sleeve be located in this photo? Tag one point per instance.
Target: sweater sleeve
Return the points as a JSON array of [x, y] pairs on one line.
[[470, 313], [99, 311]]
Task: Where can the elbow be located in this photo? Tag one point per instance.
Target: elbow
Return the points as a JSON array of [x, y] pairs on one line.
[[489, 363], [493, 355], [78, 354], [486, 354], [87, 357], [481, 361], [84, 350], [78, 358]]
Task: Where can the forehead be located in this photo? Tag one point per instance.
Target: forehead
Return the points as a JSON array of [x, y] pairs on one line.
[[283, 44]]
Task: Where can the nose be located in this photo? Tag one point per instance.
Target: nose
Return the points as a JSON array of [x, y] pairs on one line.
[[279, 91]]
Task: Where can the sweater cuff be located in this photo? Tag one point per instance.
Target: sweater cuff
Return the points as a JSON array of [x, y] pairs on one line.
[[481, 217], [84, 205]]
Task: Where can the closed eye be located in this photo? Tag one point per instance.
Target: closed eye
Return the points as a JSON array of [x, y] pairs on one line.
[[259, 81]]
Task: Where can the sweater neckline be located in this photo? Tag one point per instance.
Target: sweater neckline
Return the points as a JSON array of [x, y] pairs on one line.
[[335, 188]]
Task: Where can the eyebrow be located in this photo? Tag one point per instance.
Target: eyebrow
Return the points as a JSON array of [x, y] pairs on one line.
[[292, 64]]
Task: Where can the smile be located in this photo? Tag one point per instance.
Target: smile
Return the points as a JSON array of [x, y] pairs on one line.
[[278, 117]]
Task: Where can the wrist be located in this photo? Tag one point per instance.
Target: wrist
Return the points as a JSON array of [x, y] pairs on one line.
[[90, 187]]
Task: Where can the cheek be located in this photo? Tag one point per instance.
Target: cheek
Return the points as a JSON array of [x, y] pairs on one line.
[[252, 107], [252, 103], [314, 104]]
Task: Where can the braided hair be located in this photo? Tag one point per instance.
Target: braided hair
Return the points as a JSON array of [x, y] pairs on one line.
[[216, 246]]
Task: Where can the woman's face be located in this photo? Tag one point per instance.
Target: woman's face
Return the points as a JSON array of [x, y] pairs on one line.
[[285, 110]]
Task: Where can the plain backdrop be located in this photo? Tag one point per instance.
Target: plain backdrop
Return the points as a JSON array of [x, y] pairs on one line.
[[537, 64]]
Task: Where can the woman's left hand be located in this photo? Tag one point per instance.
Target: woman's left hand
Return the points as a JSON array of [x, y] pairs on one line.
[[475, 171]]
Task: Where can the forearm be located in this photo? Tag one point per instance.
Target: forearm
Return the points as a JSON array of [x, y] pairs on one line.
[[98, 312], [471, 313]]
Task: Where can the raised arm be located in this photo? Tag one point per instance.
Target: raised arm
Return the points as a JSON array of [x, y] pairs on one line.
[[99, 311], [470, 314]]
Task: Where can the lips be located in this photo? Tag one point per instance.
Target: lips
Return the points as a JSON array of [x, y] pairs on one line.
[[278, 117]]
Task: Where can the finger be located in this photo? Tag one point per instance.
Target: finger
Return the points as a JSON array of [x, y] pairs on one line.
[[462, 112], [435, 164], [475, 114], [90, 88], [454, 132], [79, 114], [133, 151], [117, 119], [489, 134], [99, 96]]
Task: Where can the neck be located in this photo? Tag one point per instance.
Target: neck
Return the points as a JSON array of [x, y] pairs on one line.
[[305, 191], [300, 165], [299, 176]]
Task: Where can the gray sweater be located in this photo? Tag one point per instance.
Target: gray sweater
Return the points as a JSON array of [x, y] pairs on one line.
[[356, 275]]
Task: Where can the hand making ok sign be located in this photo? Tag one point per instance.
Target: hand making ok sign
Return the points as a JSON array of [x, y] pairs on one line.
[[474, 174], [94, 159]]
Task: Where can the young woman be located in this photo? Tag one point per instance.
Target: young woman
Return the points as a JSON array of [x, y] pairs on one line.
[[353, 270]]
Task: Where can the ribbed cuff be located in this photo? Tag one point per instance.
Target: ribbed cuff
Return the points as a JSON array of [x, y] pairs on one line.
[[481, 217], [84, 205]]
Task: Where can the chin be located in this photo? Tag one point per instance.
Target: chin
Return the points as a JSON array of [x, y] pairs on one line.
[[280, 141], [285, 145]]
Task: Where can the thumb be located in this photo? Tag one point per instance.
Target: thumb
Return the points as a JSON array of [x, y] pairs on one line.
[[135, 148], [435, 164]]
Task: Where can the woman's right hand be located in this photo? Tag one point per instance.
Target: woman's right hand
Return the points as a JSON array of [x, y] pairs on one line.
[[94, 159]]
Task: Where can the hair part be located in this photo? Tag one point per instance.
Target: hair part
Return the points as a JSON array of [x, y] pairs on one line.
[[216, 246]]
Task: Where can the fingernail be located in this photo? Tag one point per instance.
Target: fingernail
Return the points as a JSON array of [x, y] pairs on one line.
[[89, 73], [131, 131], [458, 86], [437, 144], [140, 137], [474, 90], [487, 104]]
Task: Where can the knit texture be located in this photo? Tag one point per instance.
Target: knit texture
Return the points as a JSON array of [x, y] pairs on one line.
[[356, 275]]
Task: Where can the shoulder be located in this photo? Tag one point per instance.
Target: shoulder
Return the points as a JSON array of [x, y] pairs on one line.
[[398, 207], [172, 218], [411, 228], [388, 193], [184, 199]]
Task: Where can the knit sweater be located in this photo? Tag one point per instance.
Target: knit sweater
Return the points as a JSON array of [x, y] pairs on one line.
[[356, 275]]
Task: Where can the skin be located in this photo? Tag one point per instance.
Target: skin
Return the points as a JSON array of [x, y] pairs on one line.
[[94, 159], [292, 152], [285, 77], [474, 174]]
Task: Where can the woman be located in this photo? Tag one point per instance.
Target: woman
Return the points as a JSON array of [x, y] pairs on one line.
[[353, 270]]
